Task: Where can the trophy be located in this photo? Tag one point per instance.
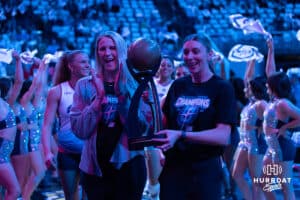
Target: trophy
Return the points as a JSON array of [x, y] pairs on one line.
[[143, 60]]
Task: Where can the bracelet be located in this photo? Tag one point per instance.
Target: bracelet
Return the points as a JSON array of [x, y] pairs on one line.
[[183, 134]]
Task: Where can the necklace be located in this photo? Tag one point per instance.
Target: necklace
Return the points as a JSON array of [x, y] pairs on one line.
[[110, 84]]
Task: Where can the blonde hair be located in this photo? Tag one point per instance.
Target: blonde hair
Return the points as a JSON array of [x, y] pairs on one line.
[[126, 84]]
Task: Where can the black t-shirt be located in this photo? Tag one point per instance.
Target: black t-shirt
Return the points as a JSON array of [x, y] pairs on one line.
[[110, 126], [196, 107]]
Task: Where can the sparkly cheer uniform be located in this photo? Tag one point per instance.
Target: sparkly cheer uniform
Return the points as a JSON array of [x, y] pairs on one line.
[[34, 133], [22, 136], [280, 148], [251, 140], [6, 146]]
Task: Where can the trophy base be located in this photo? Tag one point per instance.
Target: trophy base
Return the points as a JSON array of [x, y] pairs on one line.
[[139, 143]]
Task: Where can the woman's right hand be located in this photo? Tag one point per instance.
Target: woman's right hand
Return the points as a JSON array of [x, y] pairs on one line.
[[167, 138], [50, 162], [97, 80]]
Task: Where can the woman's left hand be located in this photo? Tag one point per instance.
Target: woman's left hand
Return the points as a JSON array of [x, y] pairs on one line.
[[168, 139], [16, 55]]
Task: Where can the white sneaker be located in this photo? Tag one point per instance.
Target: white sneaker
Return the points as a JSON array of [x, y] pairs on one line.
[[151, 192]]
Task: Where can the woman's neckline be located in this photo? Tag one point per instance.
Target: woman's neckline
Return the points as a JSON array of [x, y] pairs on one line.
[[109, 83]]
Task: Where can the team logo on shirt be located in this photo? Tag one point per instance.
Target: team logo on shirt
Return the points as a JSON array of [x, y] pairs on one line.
[[189, 107], [110, 110]]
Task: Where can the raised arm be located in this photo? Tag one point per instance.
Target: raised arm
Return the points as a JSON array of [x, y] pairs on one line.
[[19, 79], [28, 96], [270, 65], [41, 83], [250, 70]]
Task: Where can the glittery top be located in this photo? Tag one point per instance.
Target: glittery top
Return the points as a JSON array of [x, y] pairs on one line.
[[33, 117], [9, 121], [270, 119], [21, 117], [248, 115]]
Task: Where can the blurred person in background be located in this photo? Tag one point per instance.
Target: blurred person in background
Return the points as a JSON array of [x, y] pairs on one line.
[[72, 66], [280, 116]]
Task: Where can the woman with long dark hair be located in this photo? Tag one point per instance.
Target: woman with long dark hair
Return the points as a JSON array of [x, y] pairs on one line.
[[31, 99], [252, 146], [280, 115]]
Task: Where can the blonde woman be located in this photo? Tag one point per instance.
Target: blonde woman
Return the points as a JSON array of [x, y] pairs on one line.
[[98, 116]]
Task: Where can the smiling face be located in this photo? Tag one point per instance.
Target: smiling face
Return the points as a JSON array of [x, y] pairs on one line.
[[108, 55], [195, 56], [181, 71], [166, 68], [80, 65]]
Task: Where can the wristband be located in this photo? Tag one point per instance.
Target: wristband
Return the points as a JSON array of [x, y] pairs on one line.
[[183, 134]]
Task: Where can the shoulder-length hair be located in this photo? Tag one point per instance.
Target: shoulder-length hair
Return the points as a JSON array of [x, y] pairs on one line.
[[126, 85], [62, 71], [258, 88], [280, 85]]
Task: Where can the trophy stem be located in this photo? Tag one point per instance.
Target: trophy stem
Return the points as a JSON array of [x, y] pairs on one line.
[[157, 110]]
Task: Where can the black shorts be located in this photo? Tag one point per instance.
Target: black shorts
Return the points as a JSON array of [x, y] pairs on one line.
[[288, 148], [68, 161]]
